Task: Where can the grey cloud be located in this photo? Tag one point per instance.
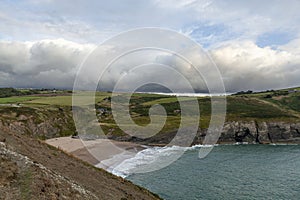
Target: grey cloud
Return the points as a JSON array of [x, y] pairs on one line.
[[47, 63], [54, 63]]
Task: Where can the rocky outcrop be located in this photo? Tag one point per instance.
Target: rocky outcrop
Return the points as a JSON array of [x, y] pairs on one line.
[[251, 132], [256, 132]]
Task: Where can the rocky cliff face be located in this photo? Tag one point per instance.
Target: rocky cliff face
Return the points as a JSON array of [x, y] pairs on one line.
[[251, 132], [257, 132]]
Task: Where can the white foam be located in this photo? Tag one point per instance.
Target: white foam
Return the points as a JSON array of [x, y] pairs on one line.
[[150, 158], [283, 144], [111, 163], [127, 163]]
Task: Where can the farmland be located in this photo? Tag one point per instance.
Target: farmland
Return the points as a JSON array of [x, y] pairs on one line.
[[279, 105]]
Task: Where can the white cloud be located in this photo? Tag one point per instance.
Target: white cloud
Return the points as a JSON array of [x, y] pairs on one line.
[[240, 19], [95, 21], [292, 46], [54, 63], [245, 66]]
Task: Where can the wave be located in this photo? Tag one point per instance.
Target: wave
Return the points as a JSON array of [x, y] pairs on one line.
[[151, 158], [283, 144], [111, 163], [126, 164]]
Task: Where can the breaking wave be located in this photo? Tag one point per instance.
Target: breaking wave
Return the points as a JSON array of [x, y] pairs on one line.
[[149, 158]]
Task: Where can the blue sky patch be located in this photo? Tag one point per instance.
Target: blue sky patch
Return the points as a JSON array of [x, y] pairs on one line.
[[274, 39]]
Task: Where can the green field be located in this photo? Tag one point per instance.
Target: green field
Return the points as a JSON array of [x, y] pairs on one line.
[[279, 105], [60, 99], [17, 99], [56, 100]]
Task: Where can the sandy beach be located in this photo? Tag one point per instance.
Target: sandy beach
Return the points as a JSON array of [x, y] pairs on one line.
[[102, 153]]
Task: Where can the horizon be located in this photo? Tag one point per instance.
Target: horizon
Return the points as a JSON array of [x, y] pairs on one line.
[[150, 92]]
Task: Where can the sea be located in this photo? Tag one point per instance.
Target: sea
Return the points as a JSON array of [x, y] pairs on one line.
[[238, 171]]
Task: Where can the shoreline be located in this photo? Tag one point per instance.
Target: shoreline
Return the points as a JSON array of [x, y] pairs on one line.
[[109, 152]]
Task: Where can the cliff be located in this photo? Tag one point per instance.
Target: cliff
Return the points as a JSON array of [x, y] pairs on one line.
[[56, 122], [249, 132], [257, 132], [264, 117]]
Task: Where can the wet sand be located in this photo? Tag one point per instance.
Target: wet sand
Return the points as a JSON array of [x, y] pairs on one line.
[[102, 153]]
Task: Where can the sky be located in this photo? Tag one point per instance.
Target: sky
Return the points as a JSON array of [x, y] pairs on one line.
[[255, 44]]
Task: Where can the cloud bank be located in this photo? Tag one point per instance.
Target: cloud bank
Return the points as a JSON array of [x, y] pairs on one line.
[[46, 63], [54, 64]]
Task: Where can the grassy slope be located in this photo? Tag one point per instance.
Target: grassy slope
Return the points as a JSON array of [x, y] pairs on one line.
[[58, 174], [282, 106], [239, 108], [281, 100], [32, 184], [17, 99]]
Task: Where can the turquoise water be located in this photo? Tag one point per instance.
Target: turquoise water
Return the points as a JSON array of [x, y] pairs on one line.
[[229, 172]]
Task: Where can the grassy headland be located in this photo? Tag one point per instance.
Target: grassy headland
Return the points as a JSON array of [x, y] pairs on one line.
[[274, 105]]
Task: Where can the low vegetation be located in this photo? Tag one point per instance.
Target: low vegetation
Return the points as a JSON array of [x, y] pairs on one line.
[[271, 105]]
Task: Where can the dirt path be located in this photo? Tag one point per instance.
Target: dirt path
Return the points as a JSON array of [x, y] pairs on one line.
[[294, 113]]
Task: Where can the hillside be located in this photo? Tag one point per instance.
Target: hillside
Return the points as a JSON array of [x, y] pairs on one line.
[[263, 117], [30, 169]]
